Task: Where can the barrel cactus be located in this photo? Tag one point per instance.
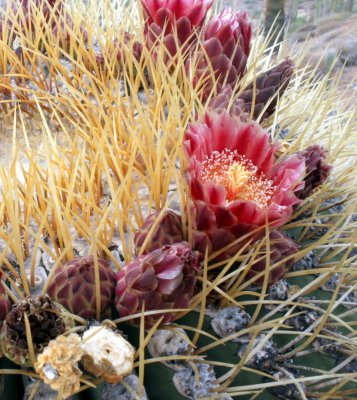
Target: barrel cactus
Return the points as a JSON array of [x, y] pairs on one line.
[[178, 212]]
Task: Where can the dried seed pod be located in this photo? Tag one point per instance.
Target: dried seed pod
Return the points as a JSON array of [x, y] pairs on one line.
[[46, 323], [170, 343], [57, 365], [230, 320], [120, 392], [107, 354]]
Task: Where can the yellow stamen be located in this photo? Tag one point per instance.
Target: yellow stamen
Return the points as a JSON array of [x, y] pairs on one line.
[[239, 176]]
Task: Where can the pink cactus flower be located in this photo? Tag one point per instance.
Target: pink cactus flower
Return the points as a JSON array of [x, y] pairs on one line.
[[236, 183]]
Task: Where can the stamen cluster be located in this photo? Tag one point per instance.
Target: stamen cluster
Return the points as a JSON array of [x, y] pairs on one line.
[[239, 176]]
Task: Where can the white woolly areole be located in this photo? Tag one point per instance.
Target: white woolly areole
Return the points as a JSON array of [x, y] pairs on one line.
[[110, 353]]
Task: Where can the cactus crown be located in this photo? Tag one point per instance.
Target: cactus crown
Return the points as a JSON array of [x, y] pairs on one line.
[[110, 128]]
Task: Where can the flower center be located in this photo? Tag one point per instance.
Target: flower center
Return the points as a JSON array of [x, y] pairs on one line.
[[239, 176]]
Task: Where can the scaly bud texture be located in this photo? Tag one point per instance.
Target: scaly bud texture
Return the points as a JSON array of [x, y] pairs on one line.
[[317, 170], [267, 89], [73, 286], [280, 247], [163, 279], [224, 52], [168, 231], [168, 18], [225, 101]]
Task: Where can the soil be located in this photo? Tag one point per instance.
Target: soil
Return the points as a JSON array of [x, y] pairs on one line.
[[328, 38], [333, 39]]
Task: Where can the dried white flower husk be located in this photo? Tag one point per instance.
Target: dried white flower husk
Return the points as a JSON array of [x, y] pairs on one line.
[[107, 354], [57, 365]]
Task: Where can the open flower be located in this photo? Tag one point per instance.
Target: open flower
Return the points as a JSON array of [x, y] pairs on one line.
[[236, 183], [167, 17]]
